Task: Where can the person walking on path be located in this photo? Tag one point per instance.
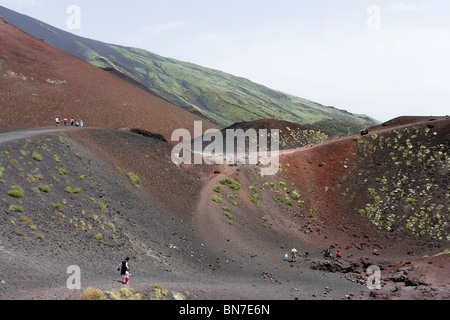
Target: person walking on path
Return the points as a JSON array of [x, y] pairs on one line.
[[294, 254], [57, 121], [65, 122], [123, 267], [72, 122]]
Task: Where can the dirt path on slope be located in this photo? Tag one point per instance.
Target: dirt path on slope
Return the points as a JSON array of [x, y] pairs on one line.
[[30, 133], [254, 254]]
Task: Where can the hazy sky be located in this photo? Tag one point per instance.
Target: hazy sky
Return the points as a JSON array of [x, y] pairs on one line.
[[381, 58]]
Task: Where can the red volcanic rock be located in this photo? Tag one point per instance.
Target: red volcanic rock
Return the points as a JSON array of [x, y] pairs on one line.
[[40, 82]]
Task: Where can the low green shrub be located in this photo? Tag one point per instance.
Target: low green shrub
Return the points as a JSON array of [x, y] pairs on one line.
[[134, 179], [36, 156], [16, 192]]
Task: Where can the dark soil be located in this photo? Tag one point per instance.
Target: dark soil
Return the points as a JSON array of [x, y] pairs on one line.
[[180, 239]]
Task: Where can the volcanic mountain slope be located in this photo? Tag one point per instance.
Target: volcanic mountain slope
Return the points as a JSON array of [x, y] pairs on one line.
[[397, 177], [259, 136], [89, 197], [216, 95], [292, 135], [40, 82]]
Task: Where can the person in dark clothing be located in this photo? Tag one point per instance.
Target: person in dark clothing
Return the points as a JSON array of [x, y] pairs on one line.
[[123, 267]]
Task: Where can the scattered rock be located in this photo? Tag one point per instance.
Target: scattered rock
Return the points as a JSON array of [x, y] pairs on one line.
[[333, 266]]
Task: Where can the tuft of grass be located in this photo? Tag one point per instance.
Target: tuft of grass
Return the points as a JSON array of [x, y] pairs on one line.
[[102, 205], [36, 156], [295, 195], [134, 179], [255, 198], [17, 208], [70, 190], [226, 181], [159, 292], [16, 192], [92, 294], [19, 233], [57, 205], [124, 294], [27, 220], [178, 296], [235, 186], [56, 158], [1, 171], [216, 199], [111, 225], [44, 188]]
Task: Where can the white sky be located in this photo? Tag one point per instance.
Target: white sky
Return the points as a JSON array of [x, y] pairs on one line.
[[382, 58]]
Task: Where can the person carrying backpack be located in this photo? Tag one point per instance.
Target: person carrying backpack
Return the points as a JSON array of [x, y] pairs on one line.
[[294, 254]]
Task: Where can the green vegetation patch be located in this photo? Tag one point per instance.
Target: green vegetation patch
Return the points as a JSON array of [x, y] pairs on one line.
[[70, 190], [36, 156], [16, 192], [134, 179]]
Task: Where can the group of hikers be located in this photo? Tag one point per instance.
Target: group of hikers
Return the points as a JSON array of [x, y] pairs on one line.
[[327, 254], [72, 122]]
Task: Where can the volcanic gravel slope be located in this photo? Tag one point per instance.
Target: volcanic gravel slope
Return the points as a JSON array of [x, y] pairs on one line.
[[40, 82], [80, 207]]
